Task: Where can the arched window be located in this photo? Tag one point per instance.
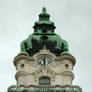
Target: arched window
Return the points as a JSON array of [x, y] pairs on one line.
[[44, 80]]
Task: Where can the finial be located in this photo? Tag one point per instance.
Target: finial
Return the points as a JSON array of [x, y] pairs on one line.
[[44, 9]]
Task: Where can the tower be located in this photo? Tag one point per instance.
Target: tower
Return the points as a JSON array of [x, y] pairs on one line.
[[44, 62]]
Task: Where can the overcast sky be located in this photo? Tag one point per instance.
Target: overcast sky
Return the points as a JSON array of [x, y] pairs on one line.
[[73, 20]]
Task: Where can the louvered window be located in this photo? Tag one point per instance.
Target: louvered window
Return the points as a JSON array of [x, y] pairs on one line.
[[44, 81]]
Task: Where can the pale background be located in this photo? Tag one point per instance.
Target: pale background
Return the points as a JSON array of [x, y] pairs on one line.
[[73, 19]]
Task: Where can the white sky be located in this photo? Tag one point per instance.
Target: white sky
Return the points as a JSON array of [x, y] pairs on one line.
[[73, 20]]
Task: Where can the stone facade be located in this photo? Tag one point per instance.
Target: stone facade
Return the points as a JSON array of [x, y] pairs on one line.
[[29, 71]]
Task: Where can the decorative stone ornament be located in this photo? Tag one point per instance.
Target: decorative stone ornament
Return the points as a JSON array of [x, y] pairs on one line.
[[44, 53]]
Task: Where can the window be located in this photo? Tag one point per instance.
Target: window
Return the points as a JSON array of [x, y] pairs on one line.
[[44, 80], [22, 66], [66, 65]]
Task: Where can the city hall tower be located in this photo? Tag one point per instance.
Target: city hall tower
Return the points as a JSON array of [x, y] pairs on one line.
[[44, 63]]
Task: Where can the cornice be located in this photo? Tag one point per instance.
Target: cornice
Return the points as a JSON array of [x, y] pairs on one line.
[[68, 73], [22, 57], [65, 57]]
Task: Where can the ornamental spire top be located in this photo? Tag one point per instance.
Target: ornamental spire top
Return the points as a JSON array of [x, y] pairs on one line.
[[44, 9], [44, 25], [44, 15]]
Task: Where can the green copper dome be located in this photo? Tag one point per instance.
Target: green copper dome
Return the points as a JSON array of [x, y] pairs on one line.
[[44, 25], [44, 35]]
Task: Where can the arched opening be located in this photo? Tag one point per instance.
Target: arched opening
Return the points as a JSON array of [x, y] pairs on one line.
[[66, 65], [44, 80], [22, 66]]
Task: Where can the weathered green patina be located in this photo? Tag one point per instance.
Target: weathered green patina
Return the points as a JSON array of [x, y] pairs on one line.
[[44, 35]]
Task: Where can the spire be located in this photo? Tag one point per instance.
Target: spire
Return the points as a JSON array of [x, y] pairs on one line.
[[44, 9], [44, 15], [44, 24]]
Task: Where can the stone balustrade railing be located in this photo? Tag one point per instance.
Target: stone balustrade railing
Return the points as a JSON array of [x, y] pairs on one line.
[[36, 88]]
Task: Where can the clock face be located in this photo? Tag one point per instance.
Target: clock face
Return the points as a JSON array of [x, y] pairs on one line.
[[44, 61]]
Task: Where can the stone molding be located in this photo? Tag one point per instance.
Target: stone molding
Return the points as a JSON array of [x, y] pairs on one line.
[[22, 57], [44, 53], [48, 73], [68, 73], [65, 57]]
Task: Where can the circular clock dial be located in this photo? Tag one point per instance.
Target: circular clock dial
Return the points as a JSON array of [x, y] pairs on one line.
[[44, 61]]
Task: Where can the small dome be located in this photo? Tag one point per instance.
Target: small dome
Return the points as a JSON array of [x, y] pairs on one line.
[[44, 36]]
